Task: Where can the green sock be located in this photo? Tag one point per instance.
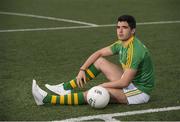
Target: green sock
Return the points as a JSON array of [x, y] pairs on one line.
[[90, 72], [69, 99]]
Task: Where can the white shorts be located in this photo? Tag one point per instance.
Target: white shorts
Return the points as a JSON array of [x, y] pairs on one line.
[[134, 95]]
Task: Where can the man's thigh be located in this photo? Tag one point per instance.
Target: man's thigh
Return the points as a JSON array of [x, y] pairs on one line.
[[117, 96], [112, 71]]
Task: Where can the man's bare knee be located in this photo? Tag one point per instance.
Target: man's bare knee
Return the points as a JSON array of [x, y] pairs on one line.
[[110, 70], [117, 96], [99, 62]]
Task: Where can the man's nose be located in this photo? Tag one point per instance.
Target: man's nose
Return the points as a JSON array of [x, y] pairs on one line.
[[120, 30]]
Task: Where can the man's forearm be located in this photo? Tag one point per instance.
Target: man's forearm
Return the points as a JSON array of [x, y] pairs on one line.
[[103, 52], [90, 60]]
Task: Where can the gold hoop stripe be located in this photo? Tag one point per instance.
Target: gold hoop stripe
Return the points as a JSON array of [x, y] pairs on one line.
[[53, 99], [62, 99], [75, 99], [73, 84], [69, 99], [90, 73]]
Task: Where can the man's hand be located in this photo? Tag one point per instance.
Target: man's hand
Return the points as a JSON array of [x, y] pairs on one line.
[[81, 79]]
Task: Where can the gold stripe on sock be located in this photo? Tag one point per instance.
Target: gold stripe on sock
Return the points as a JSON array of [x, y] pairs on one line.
[[90, 73], [69, 99], [53, 99], [75, 99], [73, 84], [62, 99]]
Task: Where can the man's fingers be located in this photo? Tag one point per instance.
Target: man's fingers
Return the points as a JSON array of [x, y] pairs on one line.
[[78, 82], [84, 79], [81, 83], [81, 80]]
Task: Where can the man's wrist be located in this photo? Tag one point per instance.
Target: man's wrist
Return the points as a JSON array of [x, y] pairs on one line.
[[81, 69]]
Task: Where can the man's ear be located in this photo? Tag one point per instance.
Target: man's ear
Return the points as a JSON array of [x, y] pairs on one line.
[[133, 31]]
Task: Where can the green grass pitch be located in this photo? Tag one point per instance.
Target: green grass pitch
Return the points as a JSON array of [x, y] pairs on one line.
[[54, 56]]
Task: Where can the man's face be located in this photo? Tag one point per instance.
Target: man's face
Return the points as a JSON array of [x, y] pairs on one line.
[[124, 32]]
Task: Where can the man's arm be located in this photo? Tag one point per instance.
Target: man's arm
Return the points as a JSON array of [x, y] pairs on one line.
[[100, 53], [124, 81], [81, 77]]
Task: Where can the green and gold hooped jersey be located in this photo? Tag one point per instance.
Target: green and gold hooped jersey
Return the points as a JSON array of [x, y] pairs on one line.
[[135, 55]]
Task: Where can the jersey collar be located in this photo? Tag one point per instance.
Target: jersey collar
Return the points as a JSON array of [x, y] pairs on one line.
[[128, 41]]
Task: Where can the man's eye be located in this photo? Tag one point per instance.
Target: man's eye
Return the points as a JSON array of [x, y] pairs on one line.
[[125, 27]]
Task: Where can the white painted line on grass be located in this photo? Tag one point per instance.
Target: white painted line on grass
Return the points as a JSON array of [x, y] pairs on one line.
[[147, 23], [81, 27], [46, 29], [88, 25], [109, 117], [48, 18]]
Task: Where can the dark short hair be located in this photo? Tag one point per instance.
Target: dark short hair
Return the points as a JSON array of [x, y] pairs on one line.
[[129, 19]]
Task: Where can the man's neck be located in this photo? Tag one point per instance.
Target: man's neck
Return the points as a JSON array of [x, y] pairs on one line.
[[126, 42]]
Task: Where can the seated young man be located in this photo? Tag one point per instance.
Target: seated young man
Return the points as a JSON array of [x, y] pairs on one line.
[[131, 82]]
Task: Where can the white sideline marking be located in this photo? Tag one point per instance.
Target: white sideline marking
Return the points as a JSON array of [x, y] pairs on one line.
[[48, 18], [81, 27], [146, 23], [109, 117]]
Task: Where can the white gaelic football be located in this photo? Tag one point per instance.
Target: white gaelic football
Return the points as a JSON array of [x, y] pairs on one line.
[[98, 97]]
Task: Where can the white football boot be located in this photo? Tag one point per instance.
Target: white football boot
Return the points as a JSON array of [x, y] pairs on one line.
[[38, 93], [58, 89]]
